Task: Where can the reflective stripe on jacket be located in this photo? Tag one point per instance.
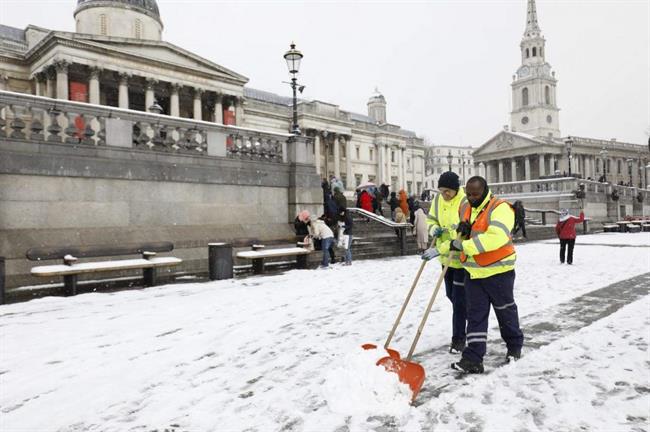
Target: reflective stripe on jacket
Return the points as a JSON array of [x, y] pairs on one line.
[[445, 214], [489, 250]]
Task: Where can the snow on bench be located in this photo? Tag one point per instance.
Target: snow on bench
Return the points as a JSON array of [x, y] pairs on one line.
[[71, 269], [258, 256]]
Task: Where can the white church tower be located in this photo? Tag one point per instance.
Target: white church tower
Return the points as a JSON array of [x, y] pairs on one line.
[[534, 103]]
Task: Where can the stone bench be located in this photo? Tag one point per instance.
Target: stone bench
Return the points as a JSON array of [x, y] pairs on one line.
[[611, 228], [633, 228], [71, 268], [645, 227], [259, 253]]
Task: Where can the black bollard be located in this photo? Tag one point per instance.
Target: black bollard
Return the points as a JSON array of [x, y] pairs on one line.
[[220, 261], [2, 280]]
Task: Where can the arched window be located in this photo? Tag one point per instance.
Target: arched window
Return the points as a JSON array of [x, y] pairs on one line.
[[103, 25], [547, 95], [138, 29], [534, 51], [527, 53], [524, 96]]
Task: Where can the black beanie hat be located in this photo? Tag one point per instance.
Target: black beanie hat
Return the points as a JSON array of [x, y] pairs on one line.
[[449, 180]]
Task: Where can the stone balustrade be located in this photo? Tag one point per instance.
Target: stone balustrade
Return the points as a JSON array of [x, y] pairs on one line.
[[35, 118], [563, 185]]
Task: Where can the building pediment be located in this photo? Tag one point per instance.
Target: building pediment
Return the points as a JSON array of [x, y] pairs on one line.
[[157, 52], [507, 143]]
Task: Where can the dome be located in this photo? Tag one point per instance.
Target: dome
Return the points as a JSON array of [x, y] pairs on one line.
[[147, 7]]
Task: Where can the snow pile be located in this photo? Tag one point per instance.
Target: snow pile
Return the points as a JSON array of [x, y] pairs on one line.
[[357, 386]]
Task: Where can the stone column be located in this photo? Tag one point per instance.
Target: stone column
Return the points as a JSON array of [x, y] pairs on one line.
[[174, 101], [403, 172], [198, 106], [485, 171], [500, 171], [349, 175], [62, 79], [218, 109], [542, 165], [527, 175], [93, 86], [337, 155], [50, 73], [513, 169], [123, 90], [551, 164], [239, 111], [150, 94], [317, 153], [380, 163], [388, 166], [41, 86]]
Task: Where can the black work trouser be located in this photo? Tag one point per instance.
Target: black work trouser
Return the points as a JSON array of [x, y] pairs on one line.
[[563, 245]]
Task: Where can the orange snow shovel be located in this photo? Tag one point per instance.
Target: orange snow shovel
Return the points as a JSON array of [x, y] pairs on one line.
[[391, 352], [409, 372]]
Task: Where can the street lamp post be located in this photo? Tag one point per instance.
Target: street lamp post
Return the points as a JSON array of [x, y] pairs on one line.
[[569, 145], [603, 156], [293, 58], [449, 159]]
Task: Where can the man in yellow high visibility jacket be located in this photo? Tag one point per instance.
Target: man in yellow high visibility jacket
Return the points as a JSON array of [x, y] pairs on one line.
[[442, 221], [488, 255]]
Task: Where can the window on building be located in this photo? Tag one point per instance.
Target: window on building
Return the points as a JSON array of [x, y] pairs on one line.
[[527, 53], [344, 180], [138, 29], [409, 187], [372, 155], [524, 96], [358, 153], [547, 95], [408, 163], [392, 156], [534, 51], [103, 25], [418, 188], [618, 167], [371, 178]]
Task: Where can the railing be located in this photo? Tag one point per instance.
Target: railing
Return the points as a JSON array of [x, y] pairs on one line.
[[41, 119], [564, 185], [377, 218]]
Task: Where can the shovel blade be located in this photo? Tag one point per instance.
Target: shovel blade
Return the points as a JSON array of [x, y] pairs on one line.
[[408, 372], [391, 352]]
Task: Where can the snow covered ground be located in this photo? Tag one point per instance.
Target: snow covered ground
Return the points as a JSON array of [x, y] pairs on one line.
[[281, 353]]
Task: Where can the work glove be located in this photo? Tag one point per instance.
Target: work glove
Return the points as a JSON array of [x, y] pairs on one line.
[[438, 232], [430, 254], [456, 245], [464, 229]]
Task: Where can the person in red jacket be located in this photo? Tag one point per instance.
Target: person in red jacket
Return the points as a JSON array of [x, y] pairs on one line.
[[566, 231], [366, 201]]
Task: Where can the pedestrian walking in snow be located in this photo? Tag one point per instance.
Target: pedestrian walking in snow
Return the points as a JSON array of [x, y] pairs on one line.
[[566, 232], [319, 230], [384, 190], [421, 230], [345, 220], [488, 254], [379, 197], [403, 202], [365, 200], [442, 221]]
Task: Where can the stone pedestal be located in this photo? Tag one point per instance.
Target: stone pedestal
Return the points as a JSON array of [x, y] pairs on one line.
[[305, 192]]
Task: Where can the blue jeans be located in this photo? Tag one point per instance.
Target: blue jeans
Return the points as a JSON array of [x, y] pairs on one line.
[[496, 291], [348, 252], [326, 243]]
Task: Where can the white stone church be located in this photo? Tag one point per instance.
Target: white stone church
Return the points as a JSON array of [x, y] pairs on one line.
[[532, 147], [117, 57]]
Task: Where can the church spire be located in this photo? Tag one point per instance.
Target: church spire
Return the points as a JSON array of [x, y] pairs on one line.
[[532, 26]]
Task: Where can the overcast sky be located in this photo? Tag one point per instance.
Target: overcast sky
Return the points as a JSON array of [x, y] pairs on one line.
[[445, 67]]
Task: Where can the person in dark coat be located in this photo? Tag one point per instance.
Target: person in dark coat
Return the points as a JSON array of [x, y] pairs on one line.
[[393, 202], [379, 197], [412, 207], [384, 190], [566, 231], [340, 200]]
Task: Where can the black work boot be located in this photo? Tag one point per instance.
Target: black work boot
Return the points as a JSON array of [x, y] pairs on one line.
[[513, 355], [457, 346], [468, 366]]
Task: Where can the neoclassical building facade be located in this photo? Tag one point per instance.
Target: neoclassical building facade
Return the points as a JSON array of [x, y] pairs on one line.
[[532, 147], [117, 57]]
